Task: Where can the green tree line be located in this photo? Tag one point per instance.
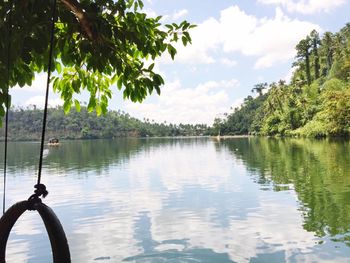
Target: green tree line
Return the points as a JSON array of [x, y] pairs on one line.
[[316, 102], [26, 124]]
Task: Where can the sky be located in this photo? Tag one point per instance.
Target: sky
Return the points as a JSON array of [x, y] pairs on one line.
[[235, 45]]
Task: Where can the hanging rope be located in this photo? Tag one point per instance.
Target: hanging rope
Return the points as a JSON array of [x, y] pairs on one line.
[[58, 240], [41, 189], [7, 104]]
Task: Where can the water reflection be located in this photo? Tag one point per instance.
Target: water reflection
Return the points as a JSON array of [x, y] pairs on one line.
[[318, 171], [175, 250], [167, 200]]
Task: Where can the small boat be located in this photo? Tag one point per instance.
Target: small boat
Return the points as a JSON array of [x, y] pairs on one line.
[[53, 142]]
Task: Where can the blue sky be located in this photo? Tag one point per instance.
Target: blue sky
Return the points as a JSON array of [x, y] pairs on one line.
[[236, 44]]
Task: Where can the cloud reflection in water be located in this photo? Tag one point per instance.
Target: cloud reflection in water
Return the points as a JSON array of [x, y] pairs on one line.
[[167, 201]]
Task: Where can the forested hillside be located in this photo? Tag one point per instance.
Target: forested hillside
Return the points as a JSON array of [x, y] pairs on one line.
[[26, 124], [316, 103]]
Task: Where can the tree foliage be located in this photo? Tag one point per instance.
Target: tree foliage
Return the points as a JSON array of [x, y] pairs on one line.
[[97, 44], [315, 103]]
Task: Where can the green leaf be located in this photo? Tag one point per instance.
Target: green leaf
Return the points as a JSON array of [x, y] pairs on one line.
[[2, 112], [157, 89], [184, 40], [150, 68], [120, 83], [77, 105], [76, 85], [170, 27], [158, 80], [187, 35], [185, 25], [92, 104], [98, 109], [66, 106], [130, 3], [114, 78], [172, 51], [140, 4], [58, 67], [104, 108]]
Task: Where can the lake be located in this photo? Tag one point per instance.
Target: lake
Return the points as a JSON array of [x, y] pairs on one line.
[[186, 200]]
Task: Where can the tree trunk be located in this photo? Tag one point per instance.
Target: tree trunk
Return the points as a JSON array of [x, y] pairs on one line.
[[317, 60], [307, 68], [329, 59]]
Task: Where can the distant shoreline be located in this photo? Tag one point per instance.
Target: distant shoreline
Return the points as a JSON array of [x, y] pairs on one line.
[[221, 137], [153, 137], [232, 136]]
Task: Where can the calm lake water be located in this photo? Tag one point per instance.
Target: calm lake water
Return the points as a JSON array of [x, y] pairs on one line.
[[187, 200]]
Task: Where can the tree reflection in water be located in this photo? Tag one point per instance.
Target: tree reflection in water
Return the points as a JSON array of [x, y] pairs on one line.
[[318, 171]]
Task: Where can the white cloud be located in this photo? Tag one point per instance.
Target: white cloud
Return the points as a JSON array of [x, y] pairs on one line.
[[228, 62], [38, 85], [34, 94], [271, 40], [175, 15], [150, 12], [306, 7], [39, 102], [205, 37], [186, 105], [180, 14]]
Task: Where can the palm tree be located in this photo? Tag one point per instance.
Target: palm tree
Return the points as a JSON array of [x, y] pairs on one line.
[[327, 43], [303, 54], [259, 88], [315, 38]]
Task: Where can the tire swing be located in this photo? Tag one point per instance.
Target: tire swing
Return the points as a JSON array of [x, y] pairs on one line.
[[58, 240]]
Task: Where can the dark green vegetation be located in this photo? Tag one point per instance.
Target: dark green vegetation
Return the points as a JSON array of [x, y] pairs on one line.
[[97, 44], [316, 103], [27, 124]]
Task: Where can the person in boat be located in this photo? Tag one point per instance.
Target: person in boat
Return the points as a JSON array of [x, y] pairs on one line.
[[53, 141]]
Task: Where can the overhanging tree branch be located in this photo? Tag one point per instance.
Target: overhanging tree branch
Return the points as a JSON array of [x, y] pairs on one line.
[[75, 7], [112, 38]]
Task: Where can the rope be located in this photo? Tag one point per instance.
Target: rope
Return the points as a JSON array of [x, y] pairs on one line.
[[39, 186], [7, 106]]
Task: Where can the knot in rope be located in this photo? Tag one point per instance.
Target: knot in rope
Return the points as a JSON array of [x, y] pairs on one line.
[[41, 190], [34, 198]]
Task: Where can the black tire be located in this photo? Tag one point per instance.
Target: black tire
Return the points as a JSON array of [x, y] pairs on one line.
[[58, 240]]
